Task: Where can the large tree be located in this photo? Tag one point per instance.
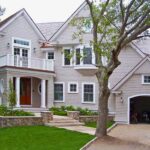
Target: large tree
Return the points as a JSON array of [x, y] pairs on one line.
[[116, 23]]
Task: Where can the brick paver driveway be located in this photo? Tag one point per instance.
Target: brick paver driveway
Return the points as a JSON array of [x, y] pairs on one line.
[[125, 137]]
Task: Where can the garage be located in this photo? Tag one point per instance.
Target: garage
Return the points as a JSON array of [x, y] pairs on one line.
[[140, 109]]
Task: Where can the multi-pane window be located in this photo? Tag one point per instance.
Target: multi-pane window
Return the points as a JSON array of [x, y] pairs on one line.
[[78, 56], [72, 88], [146, 79], [24, 52], [21, 42], [58, 92], [16, 51], [87, 28], [88, 93], [87, 55], [67, 58], [50, 55]]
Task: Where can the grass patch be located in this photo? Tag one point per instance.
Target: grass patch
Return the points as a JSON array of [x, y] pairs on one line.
[[93, 124], [41, 138]]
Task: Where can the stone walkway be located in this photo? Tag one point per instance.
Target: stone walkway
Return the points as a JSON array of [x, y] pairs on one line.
[[125, 137], [70, 124], [82, 129]]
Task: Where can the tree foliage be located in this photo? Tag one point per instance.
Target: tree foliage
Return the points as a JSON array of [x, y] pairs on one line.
[[115, 24], [11, 95]]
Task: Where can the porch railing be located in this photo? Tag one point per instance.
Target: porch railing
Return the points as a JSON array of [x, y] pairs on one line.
[[33, 63]]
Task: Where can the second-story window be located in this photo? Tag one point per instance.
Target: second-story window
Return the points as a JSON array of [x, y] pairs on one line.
[[78, 56], [67, 57], [87, 55], [50, 55]]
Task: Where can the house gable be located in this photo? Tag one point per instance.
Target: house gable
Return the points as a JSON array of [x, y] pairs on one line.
[[7, 22], [81, 11], [142, 64], [21, 28]]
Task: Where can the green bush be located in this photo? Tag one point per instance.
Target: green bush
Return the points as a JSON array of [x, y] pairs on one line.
[[5, 111], [62, 111]]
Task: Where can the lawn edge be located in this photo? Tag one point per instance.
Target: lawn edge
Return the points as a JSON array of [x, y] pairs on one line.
[[93, 140]]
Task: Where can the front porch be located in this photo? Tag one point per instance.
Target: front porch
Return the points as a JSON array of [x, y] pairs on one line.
[[34, 88], [31, 92]]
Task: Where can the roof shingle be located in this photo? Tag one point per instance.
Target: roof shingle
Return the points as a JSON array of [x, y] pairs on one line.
[[48, 29]]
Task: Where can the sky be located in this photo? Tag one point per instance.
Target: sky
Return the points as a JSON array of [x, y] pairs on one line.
[[42, 10]]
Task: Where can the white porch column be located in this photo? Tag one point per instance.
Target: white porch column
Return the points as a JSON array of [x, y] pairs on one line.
[[18, 91], [43, 93]]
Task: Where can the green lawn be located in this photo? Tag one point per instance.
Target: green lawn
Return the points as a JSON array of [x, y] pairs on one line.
[[41, 138], [93, 124]]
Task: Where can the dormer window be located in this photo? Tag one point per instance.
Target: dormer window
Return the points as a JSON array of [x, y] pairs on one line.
[[145, 79]]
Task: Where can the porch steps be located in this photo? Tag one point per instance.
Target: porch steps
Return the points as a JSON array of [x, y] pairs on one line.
[[33, 110], [61, 121]]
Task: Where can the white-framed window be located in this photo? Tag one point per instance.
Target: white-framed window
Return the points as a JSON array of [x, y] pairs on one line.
[[21, 49], [20, 42], [84, 55], [1, 86], [50, 55], [59, 91], [87, 55], [88, 26], [67, 56], [39, 88], [72, 87], [88, 92], [145, 79]]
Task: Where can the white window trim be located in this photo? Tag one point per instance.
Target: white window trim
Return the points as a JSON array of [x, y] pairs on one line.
[[63, 83], [19, 45], [38, 88], [71, 60], [72, 92], [81, 52], [22, 46], [143, 79], [2, 88], [91, 83], [47, 55]]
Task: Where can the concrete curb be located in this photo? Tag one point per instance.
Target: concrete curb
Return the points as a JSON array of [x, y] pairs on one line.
[[110, 128], [88, 144], [93, 140]]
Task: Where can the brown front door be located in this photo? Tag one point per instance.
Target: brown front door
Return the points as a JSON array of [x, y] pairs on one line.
[[25, 91]]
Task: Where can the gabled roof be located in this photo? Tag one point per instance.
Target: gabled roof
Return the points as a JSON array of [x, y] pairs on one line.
[[48, 29], [13, 17], [130, 73], [56, 34]]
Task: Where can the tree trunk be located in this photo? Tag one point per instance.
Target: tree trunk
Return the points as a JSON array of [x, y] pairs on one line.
[[104, 94]]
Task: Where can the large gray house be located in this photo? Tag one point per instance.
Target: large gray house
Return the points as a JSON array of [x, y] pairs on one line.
[[33, 56]]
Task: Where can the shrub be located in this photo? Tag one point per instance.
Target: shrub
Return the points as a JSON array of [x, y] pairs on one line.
[[11, 95], [62, 111], [4, 111], [59, 111]]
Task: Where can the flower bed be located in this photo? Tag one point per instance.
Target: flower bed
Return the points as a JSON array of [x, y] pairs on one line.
[[62, 111], [5, 111]]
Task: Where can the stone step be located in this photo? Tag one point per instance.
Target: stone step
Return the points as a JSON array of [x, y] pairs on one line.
[[64, 121], [34, 110], [64, 124]]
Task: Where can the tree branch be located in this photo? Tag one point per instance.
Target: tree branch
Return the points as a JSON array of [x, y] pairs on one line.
[[134, 35], [139, 22]]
